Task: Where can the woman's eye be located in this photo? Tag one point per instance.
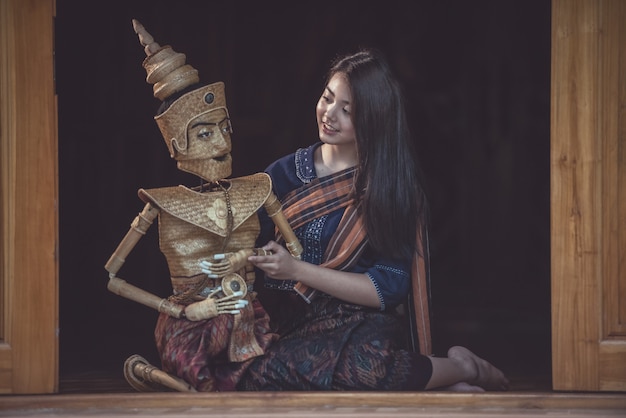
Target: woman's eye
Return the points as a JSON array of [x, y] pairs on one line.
[[326, 98]]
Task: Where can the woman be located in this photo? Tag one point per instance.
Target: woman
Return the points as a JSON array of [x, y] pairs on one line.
[[355, 204]]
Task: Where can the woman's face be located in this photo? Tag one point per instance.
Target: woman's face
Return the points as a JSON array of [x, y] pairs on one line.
[[334, 121]]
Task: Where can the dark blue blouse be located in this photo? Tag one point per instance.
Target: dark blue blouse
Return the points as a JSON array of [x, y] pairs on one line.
[[391, 278]]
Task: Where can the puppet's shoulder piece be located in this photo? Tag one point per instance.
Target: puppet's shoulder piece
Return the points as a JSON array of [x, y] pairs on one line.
[[209, 209]]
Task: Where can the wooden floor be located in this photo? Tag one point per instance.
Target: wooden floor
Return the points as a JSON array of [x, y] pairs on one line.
[[94, 382], [103, 396], [340, 405]]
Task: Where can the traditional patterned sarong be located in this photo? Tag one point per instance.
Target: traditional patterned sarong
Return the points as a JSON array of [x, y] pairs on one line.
[[198, 351], [339, 346]]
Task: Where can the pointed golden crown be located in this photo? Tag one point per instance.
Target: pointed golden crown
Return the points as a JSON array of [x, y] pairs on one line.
[[166, 69]]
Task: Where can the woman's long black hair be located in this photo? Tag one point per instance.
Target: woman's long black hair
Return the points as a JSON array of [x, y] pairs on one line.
[[387, 182]]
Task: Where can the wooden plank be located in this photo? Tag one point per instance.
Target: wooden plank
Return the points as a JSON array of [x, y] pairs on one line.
[[611, 123], [239, 401], [6, 369], [575, 194], [29, 180], [612, 366], [588, 287], [7, 190], [611, 103], [620, 190], [6, 166]]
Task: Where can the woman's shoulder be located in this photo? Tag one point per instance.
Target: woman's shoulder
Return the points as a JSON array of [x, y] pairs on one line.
[[293, 170]]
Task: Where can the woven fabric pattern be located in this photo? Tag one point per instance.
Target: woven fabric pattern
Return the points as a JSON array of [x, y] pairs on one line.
[[198, 352], [339, 346]]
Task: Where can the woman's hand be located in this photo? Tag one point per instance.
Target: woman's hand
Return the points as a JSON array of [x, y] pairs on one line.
[[351, 287], [277, 263]]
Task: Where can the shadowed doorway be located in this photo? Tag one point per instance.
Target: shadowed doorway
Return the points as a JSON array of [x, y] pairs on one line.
[[476, 79]]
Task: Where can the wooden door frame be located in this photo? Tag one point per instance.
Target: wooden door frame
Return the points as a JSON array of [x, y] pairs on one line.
[[587, 117], [28, 199], [29, 196]]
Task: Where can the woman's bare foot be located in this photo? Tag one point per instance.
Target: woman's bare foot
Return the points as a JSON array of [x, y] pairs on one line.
[[464, 387], [483, 373]]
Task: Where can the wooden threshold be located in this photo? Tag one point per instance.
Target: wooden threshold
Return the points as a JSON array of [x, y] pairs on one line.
[[299, 404]]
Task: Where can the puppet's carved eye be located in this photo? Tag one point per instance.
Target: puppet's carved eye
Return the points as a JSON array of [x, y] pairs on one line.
[[225, 127], [205, 133]]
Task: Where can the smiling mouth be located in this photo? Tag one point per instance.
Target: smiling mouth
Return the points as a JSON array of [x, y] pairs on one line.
[[329, 127]]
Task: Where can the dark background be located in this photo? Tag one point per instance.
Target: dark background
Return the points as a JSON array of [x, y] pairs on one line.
[[476, 76]]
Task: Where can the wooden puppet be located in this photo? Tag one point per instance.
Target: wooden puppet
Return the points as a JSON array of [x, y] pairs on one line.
[[217, 314]]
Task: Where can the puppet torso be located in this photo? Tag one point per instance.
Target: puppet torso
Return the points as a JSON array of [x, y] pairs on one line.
[[193, 226]]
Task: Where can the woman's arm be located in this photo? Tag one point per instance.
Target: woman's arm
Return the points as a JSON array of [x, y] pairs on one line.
[[352, 287]]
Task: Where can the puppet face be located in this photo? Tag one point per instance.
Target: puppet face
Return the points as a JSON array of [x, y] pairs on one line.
[[208, 146], [196, 129]]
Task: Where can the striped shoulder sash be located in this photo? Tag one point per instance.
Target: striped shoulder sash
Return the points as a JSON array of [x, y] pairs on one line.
[[318, 198]]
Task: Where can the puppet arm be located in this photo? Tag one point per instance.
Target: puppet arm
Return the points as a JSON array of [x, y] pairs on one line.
[[223, 264], [212, 307], [197, 311], [207, 308], [126, 290], [138, 229]]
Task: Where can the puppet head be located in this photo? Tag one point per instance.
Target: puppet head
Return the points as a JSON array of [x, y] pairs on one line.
[[193, 119]]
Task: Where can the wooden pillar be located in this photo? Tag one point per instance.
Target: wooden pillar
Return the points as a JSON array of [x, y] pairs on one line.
[[28, 199], [588, 195]]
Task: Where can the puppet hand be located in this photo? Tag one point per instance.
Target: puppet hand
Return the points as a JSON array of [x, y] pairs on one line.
[[211, 307], [222, 264]]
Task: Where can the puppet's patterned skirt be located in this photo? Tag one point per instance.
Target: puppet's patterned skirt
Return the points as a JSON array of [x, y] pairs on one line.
[[198, 352]]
